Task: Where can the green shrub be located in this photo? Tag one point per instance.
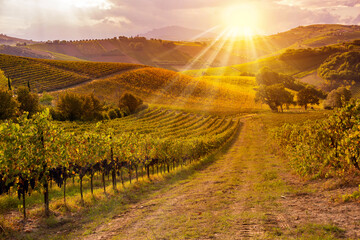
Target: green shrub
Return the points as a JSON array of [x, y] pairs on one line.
[[8, 105], [130, 101], [29, 102]]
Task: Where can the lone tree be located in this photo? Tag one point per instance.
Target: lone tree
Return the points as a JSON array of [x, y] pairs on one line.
[[308, 95], [29, 101], [130, 101], [275, 96]]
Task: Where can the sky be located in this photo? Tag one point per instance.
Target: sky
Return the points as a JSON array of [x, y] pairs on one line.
[[85, 19]]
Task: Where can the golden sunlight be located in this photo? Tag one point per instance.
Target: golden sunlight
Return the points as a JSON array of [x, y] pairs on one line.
[[241, 20]]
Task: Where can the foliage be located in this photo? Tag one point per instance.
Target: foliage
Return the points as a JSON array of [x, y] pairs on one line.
[[307, 58], [341, 66], [275, 96], [308, 95], [46, 99], [8, 105], [36, 151], [3, 80], [336, 97], [324, 148], [268, 77], [29, 102], [130, 101], [79, 107]]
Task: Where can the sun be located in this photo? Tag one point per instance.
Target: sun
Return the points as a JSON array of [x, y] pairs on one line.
[[241, 20]]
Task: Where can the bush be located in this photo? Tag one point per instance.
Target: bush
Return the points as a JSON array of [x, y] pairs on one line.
[[76, 107], [70, 106], [46, 99], [113, 114], [29, 101], [8, 105], [130, 101], [337, 97]]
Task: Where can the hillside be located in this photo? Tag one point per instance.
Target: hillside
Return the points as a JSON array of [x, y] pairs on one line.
[[7, 40], [153, 52], [171, 89], [49, 75], [302, 64], [23, 51]]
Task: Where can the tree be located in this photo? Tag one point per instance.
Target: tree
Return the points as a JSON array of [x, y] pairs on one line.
[[130, 101], [8, 105], [91, 108], [76, 107], [268, 77], [336, 97], [29, 101], [275, 96], [70, 106], [308, 95]]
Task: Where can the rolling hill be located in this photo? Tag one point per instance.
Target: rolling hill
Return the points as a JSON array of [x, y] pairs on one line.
[[171, 89], [154, 85], [49, 75], [153, 52]]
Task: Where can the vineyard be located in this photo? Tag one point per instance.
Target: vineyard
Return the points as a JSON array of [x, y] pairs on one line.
[[325, 148], [37, 152], [49, 75]]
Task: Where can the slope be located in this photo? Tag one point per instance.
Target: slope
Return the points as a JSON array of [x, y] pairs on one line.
[[164, 87], [49, 75]]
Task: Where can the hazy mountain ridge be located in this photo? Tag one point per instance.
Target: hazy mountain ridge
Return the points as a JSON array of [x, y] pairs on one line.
[[182, 55], [177, 33]]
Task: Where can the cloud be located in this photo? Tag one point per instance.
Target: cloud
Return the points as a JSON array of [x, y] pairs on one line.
[[66, 19]]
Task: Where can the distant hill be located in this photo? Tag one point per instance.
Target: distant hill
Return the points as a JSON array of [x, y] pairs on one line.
[[24, 52], [157, 53], [177, 33], [315, 35], [6, 40], [199, 54]]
